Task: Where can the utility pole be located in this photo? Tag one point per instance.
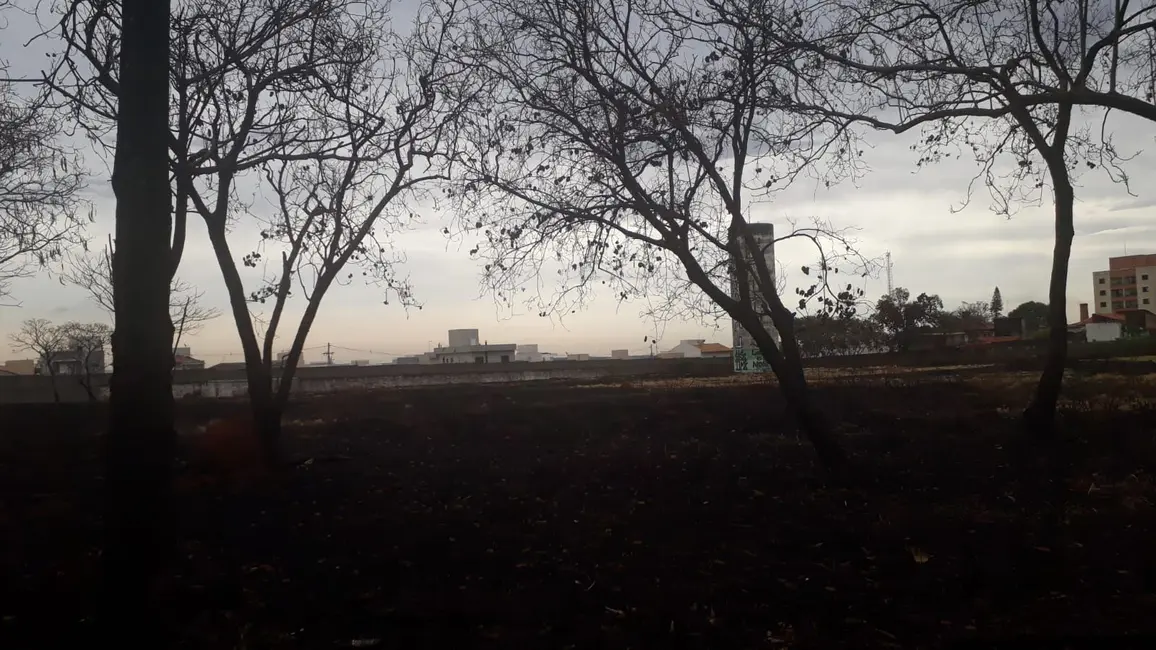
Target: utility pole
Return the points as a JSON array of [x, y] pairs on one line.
[[329, 354]]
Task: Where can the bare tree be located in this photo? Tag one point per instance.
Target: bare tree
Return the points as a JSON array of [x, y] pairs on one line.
[[1003, 82], [92, 271], [47, 341], [266, 93], [328, 215], [626, 143], [41, 180], [87, 343]]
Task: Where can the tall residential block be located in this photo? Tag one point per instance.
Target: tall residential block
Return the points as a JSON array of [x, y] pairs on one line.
[[1129, 284], [745, 353]]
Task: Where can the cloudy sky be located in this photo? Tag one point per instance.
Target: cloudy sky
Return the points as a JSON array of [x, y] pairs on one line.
[[960, 255]]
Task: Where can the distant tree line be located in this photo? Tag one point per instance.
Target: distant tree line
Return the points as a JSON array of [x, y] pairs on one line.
[[896, 319]]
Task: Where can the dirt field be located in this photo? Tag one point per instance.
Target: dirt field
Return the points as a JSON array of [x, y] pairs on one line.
[[637, 515]]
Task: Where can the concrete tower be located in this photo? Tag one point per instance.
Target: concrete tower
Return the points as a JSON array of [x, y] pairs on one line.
[[747, 357]]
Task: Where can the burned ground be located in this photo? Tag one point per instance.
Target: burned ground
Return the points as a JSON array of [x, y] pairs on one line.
[[639, 515]]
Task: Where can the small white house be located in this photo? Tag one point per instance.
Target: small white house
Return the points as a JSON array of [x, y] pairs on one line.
[[1105, 331], [687, 348]]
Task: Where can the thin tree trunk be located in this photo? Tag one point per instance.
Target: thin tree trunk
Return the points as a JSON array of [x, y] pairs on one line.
[[267, 416], [55, 389], [141, 440], [258, 373], [793, 384], [786, 363], [1039, 417], [86, 382]]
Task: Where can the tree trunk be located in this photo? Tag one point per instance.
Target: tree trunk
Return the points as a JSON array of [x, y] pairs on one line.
[[1039, 417], [815, 426], [258, 370], [268, 420], [87, 384], [55, 389], [141, 440], [266, 413]]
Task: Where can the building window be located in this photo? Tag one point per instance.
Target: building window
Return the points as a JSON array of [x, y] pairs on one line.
[[1103, 305], [1145, 301], [479, 359], [505, 358], [1144, 276], [1103, 292], [1144, 289], [1101, 280]]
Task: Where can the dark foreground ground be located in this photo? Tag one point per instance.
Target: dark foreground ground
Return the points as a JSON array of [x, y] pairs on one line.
[[546, 516]]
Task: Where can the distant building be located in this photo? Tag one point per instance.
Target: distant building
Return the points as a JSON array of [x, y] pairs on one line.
[[528, 352], [746, 353], [714, 351], [697, 349], [229, 365], [183, 360], [1008, 326], [1129, 284], [578, 357], [19, 367], [464, 347], [77, 359], [1098, 327], [925, 341], [620, 354]]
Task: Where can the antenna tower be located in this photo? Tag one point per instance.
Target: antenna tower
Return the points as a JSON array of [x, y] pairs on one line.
[[890, 279]]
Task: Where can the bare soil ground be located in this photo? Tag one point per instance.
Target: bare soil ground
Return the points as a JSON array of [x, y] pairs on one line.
[[644, 514]]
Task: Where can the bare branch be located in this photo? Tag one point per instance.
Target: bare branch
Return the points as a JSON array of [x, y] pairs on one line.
[[92, 271], [42, 213], [624, 144]]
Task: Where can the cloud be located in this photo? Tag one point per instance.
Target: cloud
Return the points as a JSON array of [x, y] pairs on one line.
[[1134, 205]]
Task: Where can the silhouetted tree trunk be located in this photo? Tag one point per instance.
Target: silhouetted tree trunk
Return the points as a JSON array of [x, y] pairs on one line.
[[52, 380], [1039, 417], [817, 428], [141, 438]]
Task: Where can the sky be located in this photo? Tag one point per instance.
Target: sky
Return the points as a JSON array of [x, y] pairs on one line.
[[959, 255]]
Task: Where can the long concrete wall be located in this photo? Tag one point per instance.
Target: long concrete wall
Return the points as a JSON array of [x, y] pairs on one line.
[[999, 354], [318, 379], [15, 389]]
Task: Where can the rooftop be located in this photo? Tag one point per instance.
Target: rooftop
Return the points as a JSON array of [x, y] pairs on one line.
[[493, 347]]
